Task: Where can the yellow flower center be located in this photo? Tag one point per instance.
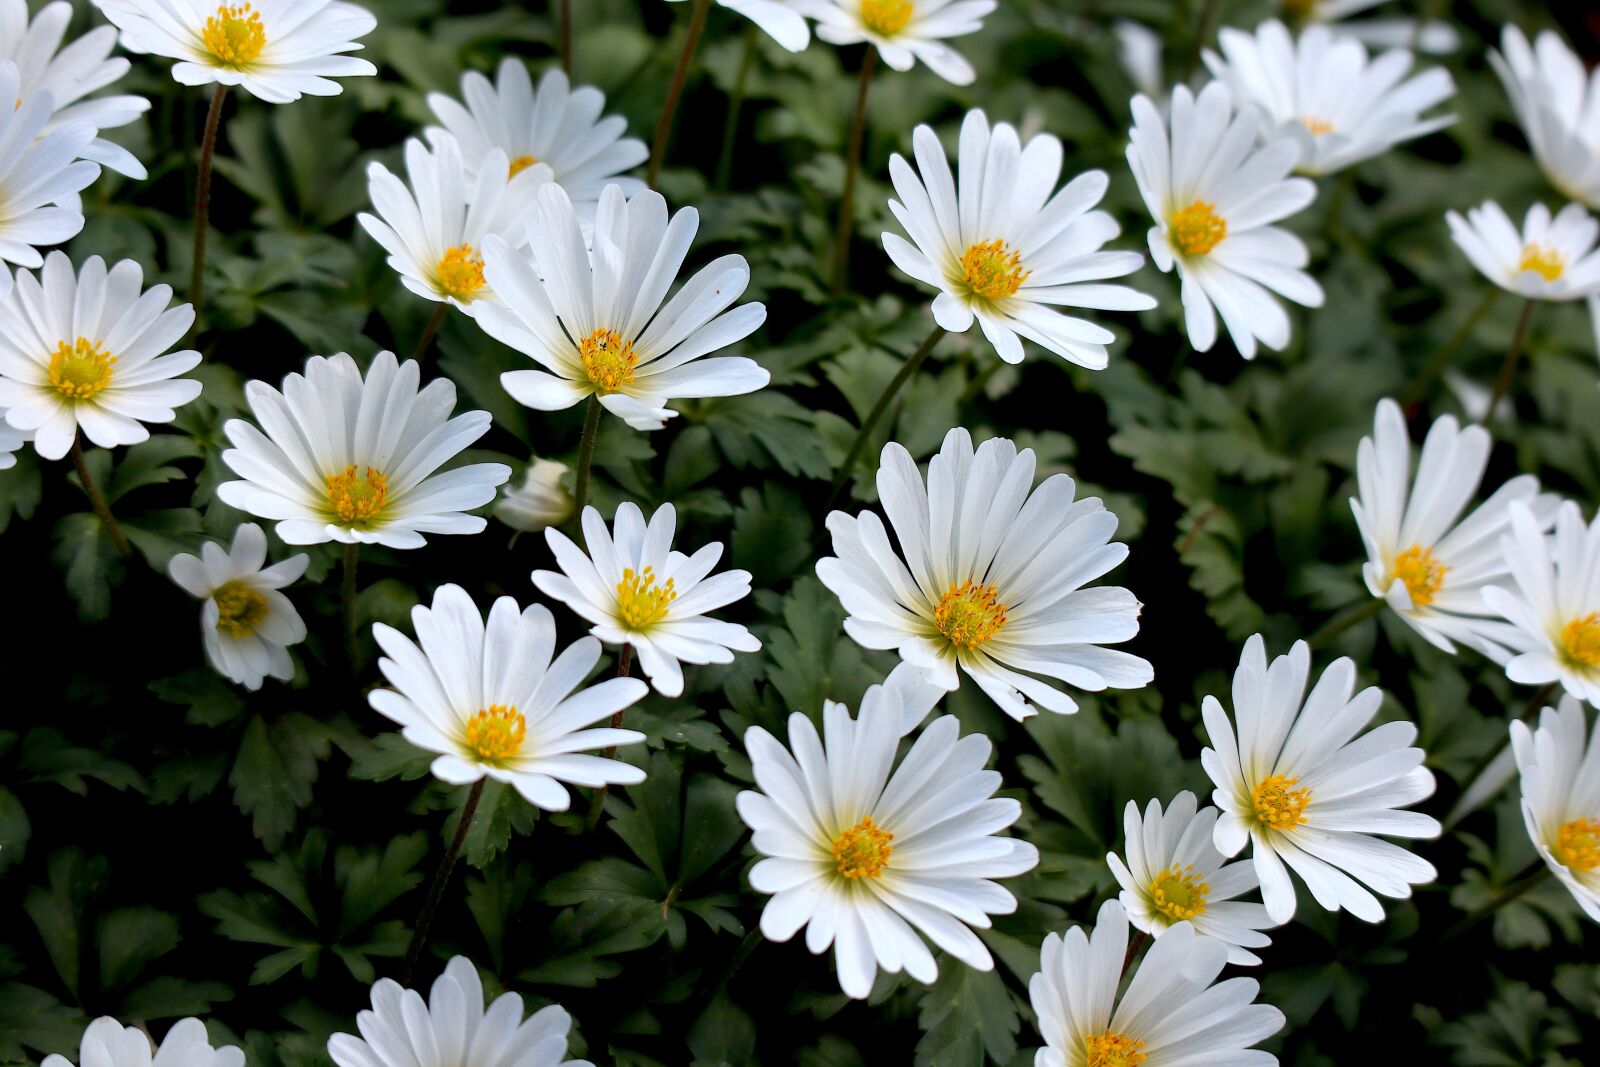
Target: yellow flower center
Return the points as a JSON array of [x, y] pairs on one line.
[[608, 360], [969, 614], [1113, 1050], [1543, 260], [234, 36], [1279, 806], [460, 273], [240, 608], [863, 851], [1178, 893], [520, 164], [81, 369], [357, 498], [640, 601], [886, 17], [1317, 126], [1577, 845], [496, 734], [1580, 640], [1422, 572], [1196, 229], [993, 270]]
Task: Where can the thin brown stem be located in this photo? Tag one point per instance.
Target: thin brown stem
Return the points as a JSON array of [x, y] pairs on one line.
[[1202, 30], [1532, 879], [430, 331], [903, 375], [597, 805], [680, 74], [852, 164], [1446, 352], [1508, 369], [97, 501], [202, 199], [730, 124], [1134, 946], [1340, 623], [347, 597], [580, 484], [441, 878], [566, 37]]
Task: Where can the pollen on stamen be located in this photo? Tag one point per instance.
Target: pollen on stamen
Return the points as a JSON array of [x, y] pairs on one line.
[[969, 614], [520, 164], [1316, 126], [1548, 263], [496, 734], [357, 498], [1112, 1049], [234, 35], [863, 851], [608, 360], [1179, 893], [81, 368], [1196, 229], [1422, 574], [1278, 804], [887, 17], [993, 270], [460, 273], [1577, 845], [640, 601], [1580, 640], [241, 608]]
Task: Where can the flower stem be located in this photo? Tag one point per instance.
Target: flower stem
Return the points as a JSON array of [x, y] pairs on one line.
[[852, 164], [566, 37], [1532, 879], [347, 595], [430, 331], [1539, 699], [580, 484], [441, 878], [1340, 623], [597, 805], [669, 109], [202, 198], [1134, 946], [730, 125], [907, 369], [97, 501], [1508, 369], [1202, 30], [1446, 352]]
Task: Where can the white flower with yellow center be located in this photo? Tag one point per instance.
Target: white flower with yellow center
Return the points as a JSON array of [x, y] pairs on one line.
[[637, 591], [1554, 603], [777, 18], [1560, 768], [107, 1043], [1557, 103], [276, 50], [596, 323], [539, 501], [867, 853], [1433, 35], [89, 352], [1214, 196], [1297, 783], [246, 624], [1174, 1013], [1428, 562], [988, 578], [494, 700], [903, 31], [41, 175], [1001, 249], [1551, 258], [1174, 874], [1322, 92], [356, 459]]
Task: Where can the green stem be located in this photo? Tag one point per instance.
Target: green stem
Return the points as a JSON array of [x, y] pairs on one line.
[[1446, 352], [907, 369], [1532, 879], [1340, 623], [566, 37], [441, 878], [852, 164], [580, 484], [680, 74], [730, 125], [1202, 30], [97, 501], [1508, 369], [347, 596], [598, 804], [202, 199], [430, 331]]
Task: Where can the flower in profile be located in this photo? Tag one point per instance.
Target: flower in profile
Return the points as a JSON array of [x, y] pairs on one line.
[[1298, 784], [541, 500], [1551, 258], [1555, 100], [1214, 196], [1554, 603], [276, 50], [434, 229], [1174, 874], [1173, 1013], [1434, 36], [779, 19], [493, 699], [637, 591], [107, 1043], [595, 321], [903, 31], [866, 854], [1001, 249], [364, 468], [1428, 562], [989, 577], [88, 351], [1560, 768], [452, 1027], [246, 624], [1322, 92]]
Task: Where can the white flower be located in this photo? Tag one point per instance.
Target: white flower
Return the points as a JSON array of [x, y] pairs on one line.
[[70, 74], [1556, 101], [352, 459], [1551, 259], [541, 500], [276, 50], [1213, 195], [637, 591], [89, 352], [107, 1043], [866, 854], [1322, 92], [1430, 564], [434, 229], [1433, 35], [1561, 797], [1175, 874], [41, 175], [595, 321], [452, 1027], [490, 700], [1297, 783], [988, 577], [1000, 247], [11, 442], [903, 31], [777, 18], [1174, 1013], [1555, 604], [245, 623], [1139, 56]]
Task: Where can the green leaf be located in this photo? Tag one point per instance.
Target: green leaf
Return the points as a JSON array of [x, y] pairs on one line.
[[964, 1015], [274, 771]]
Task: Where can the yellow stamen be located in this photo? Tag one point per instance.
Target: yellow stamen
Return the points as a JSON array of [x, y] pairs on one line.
[[1422, 572], [1178, 893], [969, 614], [1279, 806], [81, 369], [240, 608], [520, 164], [357, 498], [1113, 1050], [608, 360], [1543, 260], [886, 17], [1577, 845], [863, 851], [234, 36], [495, 734], [1196, 229], [993, 270], [1318, 127], [641, 602], [460, 273], [1580, 640]]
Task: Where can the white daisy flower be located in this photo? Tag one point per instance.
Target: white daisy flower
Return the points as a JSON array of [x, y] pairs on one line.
[[1001, 248], [70, 74], [1433, 36], [1557, 102], [903, 31], [41, 175], [867, 853], [988, 577], [355, 460], [1554, 605], [495, 701], [107, 1043], [595, 321], [89, 352], [1139, 54], [778, 19], [434, 229], [1430, 564], [1174, 1013], [637, 591], [1174, 874], [245, 623], [276, 50], [1322, 93], [452, 1027], [540, 501], [1550, 259], [1560, 768], [1297, 783]]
